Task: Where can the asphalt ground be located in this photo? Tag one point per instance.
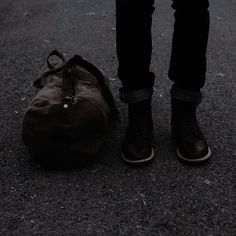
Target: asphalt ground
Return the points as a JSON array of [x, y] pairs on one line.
[[167, 197]]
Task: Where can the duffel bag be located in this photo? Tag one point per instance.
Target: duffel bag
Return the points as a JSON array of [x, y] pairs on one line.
[[70, 113]]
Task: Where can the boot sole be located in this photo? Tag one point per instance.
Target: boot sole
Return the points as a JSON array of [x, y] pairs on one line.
[[194, 160], [139, 161]]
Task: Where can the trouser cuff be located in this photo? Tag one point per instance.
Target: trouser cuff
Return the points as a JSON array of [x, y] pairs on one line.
[[186, 95], [136, 95]]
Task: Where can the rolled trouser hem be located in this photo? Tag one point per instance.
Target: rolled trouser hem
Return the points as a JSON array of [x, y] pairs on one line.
[[185, 95], [136, 95]]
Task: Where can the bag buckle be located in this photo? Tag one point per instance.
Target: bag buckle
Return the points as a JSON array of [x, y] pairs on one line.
[[67, 100]]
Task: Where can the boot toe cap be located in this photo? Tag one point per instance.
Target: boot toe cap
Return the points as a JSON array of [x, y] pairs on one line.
[[137, 154], [199, 151]]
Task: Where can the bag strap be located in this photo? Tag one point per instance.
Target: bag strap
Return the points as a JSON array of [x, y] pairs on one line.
[[105, 91], [68, 82]]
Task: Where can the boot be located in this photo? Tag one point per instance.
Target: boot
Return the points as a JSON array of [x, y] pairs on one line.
[[191, 144], [137, 146]]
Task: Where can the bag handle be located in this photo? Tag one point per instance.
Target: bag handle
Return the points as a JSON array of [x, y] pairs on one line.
[[68, 70], [52, 69], [55, 53]]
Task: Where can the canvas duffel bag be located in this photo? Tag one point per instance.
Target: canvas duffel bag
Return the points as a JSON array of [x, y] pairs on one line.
[[70, 113]]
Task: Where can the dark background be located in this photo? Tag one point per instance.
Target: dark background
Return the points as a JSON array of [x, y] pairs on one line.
[[109, 197]]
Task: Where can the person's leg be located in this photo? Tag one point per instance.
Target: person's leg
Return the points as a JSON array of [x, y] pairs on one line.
[[134, 43], [188, 71], [134, 49]]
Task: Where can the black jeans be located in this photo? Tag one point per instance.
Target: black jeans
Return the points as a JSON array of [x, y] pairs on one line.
[[188, 57]]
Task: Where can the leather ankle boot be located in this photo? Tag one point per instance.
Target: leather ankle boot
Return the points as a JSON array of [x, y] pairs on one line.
[[137, 146], [191, 144]]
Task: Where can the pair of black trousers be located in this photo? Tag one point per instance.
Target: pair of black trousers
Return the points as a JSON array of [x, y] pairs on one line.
[[189, 43]]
